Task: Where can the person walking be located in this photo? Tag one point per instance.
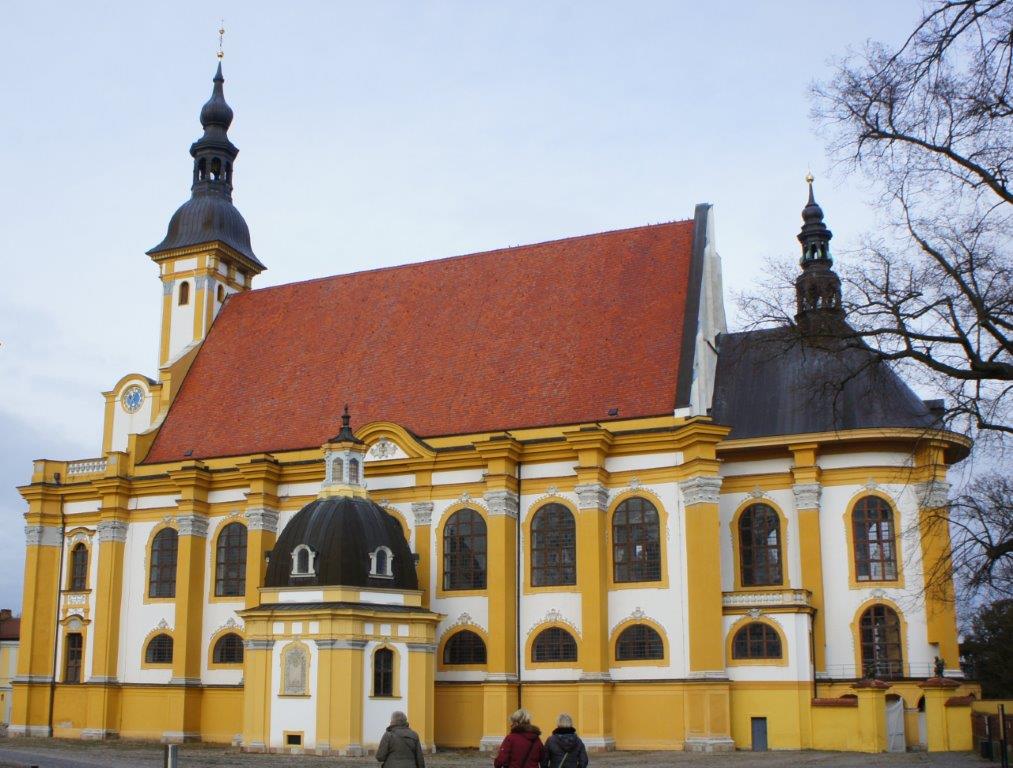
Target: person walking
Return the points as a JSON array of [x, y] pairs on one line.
[[522, 747], [564, 748], [400, 746]]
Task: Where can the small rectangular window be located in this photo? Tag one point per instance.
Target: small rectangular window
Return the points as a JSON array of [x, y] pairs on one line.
[[293, 739]]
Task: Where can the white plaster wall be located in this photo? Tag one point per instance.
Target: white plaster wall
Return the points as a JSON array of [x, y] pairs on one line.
[[766, 466], [842, 602], [534, 610], [181, 323], [790, 547], [293, 713], [167, 502], [452, 476], [390, 481], [137, 619], [865, 459], [666, 607], [126, 424], [795, 627], [548, 469], [376, 712], [289, 490], [237, 495], [643, 461], [81, 507]]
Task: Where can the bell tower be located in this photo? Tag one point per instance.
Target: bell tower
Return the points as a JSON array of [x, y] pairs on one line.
[[817, 288], [206, 254]]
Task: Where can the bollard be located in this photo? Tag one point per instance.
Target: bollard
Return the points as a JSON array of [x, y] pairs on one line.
[[171, 756]]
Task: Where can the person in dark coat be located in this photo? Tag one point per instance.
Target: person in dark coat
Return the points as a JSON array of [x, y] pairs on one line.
[[522, 748], [564, 749], [400, 746]]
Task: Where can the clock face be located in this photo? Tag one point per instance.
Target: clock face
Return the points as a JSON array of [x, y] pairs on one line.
[[132, 399]]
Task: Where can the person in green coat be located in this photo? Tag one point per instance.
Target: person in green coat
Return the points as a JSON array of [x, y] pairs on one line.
[[400, 746]]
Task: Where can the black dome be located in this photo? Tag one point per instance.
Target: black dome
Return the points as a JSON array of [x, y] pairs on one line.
[[203, 219], [342, 531]]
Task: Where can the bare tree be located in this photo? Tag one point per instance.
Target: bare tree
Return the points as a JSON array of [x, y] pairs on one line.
[[931, 125]]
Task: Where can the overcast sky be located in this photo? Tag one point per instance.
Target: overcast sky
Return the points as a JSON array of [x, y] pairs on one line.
[[375, 134]]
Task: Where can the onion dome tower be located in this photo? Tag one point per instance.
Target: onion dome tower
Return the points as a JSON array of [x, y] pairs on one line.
[[206, 254], [342, 538], [818, 288]]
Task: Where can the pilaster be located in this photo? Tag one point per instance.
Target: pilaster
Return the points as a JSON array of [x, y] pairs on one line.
[[257, 690], [872, 715], [937, 566], [346, 695], [32, 685], [422, 692], [807, 490], [422, 512], [263, 473]]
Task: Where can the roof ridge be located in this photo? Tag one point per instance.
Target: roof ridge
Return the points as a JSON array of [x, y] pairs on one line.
[[460, 256]]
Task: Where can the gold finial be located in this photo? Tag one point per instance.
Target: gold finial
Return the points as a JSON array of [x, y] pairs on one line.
[[221, 35], [809, 178]]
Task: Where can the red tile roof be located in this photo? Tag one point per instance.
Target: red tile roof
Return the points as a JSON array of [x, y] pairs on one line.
[[10, 629], [554, 333]]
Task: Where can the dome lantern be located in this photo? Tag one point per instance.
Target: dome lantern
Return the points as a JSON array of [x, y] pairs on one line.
[[344, 459]]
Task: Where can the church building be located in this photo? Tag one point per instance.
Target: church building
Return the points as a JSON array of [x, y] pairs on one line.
[[542, 476]]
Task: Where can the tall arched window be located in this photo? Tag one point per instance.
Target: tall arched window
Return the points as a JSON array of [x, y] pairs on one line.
[[184, 294], [79, 568], [756, 640], [636, 541], [72, 659], [162, 573], [383, 672], [464, 647], [554, 644], [638, 642], [230, 561], [353, 471], [464, 551], [228, 649], [553, 547], [760, 546], [875, 547], [159, 650], [882, 649]]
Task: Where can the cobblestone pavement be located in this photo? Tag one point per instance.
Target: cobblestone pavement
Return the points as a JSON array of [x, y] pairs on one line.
[[54, 753]]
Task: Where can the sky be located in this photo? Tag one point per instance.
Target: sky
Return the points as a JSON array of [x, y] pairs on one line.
[[376, 134]]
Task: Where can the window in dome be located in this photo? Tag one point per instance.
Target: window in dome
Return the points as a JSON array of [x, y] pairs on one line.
[[303, 561], [381, 563]]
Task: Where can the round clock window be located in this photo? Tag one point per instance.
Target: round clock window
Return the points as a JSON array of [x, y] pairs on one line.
[[132, 399]]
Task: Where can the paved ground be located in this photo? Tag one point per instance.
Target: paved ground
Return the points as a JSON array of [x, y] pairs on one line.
[[47, 753]]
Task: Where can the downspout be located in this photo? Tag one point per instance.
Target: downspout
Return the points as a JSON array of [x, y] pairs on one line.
[[517, 590], [56, 618], [812, 647]]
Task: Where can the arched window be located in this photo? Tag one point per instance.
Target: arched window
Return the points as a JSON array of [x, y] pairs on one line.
[[353, 471], [184, 294], [554, 644], [383, 672], [221, 293], [159, 650], [162, 574], [760, 546], [875, 549], [228, 649], [464, 551], [337, 470], [72, 658], [79, 568], [638, 642], [756, 640], [381, 561], [636, 541], [303, 561], [882, 654], [464, 647], [230, 561], [553, 547]]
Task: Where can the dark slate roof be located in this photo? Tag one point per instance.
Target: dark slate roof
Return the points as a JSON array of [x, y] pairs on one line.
[[342, 530], [205, 218], [777, 382]]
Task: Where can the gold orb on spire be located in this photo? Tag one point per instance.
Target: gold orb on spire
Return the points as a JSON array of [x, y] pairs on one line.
[[221, 36], [809, 178]]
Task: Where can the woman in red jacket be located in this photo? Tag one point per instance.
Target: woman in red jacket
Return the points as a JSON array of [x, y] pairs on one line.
[[521, 748]]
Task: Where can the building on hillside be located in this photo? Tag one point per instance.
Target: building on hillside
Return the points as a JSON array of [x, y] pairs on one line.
[[567, 488], [9, 632]]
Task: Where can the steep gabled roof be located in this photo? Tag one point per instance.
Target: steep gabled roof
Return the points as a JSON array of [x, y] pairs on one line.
[[554, 333]]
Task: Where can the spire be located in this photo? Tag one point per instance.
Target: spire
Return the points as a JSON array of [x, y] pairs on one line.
[[346, 435], [818, 288], [213, 153]]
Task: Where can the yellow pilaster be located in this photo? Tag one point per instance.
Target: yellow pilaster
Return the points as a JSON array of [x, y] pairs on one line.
[[257, 688], [346, 695], [102, 716], [807, 490], [263, 473], [163, 344], [31, 714], [183, 721], [872, 715], [937, 570], [422, 692], [422, 511], [594, 714], [708, 720]]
